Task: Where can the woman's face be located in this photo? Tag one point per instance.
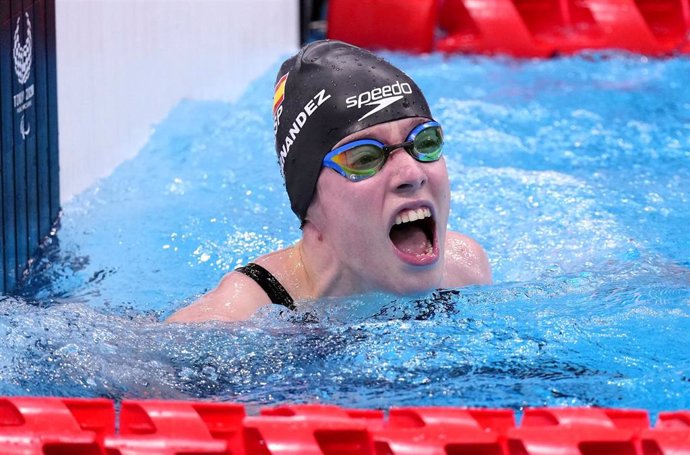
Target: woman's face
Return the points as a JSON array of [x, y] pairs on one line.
[[387, 231]]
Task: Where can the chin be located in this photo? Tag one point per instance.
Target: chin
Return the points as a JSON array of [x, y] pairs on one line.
[[417, 282]]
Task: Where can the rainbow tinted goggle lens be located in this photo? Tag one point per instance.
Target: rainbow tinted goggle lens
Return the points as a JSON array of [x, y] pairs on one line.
[[361, 159]]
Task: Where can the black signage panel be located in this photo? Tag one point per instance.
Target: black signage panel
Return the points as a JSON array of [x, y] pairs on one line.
[[4, 25], [28, 131], [41, 108], [9, 243], [22, 64], [29, 185], [54, 163]]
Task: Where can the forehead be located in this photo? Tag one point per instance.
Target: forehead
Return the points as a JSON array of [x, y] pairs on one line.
[[396, 130]]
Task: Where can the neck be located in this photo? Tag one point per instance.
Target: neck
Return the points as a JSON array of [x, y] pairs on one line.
[[325, 275]]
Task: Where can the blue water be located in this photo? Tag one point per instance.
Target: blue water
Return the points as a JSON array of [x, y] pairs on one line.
[[573, 173]]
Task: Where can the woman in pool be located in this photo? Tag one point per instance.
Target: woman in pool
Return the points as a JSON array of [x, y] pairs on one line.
[[364, 171]]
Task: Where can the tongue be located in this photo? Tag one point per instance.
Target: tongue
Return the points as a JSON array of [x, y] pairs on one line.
[[410, 238]]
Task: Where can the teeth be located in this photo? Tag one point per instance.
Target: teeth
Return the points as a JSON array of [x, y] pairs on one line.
[[413, 215]]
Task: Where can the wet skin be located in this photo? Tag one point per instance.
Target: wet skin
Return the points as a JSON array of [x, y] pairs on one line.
[[355, 218], [346, 245]]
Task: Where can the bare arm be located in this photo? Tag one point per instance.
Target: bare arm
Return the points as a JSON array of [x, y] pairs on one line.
[[236, 298], [466, 262]]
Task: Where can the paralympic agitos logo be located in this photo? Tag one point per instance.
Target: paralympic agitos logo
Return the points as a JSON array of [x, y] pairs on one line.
[[379, 97], [23, 58]]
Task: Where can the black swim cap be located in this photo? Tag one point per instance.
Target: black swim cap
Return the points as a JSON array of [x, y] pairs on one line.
[[327, 91]]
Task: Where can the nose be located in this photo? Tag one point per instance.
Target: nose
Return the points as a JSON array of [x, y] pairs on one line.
[[409, 174]]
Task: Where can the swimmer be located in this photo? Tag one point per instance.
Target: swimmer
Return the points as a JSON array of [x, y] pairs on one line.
[[362, 159]]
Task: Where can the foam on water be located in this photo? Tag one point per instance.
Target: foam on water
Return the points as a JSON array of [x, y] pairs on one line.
[[573, 173]]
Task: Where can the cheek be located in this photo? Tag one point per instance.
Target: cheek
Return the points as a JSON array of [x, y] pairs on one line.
[[352, 212], [364, 196], [362, 234], [364, 210], [440, 182]]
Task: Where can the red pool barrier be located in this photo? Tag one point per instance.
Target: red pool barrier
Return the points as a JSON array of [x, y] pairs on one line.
[[177, 427], [670, 436], [371, 416], [521, 28], [390, 24], [58, 426], [578, 431], [307, 435], [66, 426], [442, 430]]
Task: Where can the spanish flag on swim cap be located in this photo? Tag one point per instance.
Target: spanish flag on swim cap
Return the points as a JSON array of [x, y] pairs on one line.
[[279, 93], [326, 92]]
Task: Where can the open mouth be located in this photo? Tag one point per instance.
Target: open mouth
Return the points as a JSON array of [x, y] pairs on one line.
[[413, 236]]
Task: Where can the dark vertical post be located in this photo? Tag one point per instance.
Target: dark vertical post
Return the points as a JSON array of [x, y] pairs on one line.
[[9, 244], [41, 106], [28, 131], [2, 207], [53, 163], [4, 25], [305, 13], [29, 187], [19, 41]]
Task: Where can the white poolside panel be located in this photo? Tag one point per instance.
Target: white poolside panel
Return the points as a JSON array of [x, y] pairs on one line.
[[123, 64]]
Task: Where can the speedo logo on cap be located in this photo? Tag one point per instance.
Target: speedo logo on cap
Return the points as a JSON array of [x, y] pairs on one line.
[[379, 97]]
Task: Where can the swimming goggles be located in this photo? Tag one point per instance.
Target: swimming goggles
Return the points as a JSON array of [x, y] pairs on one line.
[[361, 159]]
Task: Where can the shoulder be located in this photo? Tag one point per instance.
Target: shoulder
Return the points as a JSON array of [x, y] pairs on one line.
[[466, 262], [237, 297]]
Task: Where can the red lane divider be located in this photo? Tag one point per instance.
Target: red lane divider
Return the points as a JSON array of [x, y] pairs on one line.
[[58, 426], [178, 427], [671, 436], [577, 431], [521, 28], [439, 431], [374, 418], [68, 426], [307, 435]]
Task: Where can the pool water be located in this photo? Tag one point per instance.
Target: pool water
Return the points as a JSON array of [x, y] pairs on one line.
[[573, 173]]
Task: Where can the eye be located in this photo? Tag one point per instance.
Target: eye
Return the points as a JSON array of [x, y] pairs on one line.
[[428, 143], [362, 158]]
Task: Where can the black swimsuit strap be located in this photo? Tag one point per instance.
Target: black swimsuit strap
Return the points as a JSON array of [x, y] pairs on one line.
[[270, 284]]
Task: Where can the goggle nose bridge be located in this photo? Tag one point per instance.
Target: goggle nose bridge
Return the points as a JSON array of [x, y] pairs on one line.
[[407, 145]]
